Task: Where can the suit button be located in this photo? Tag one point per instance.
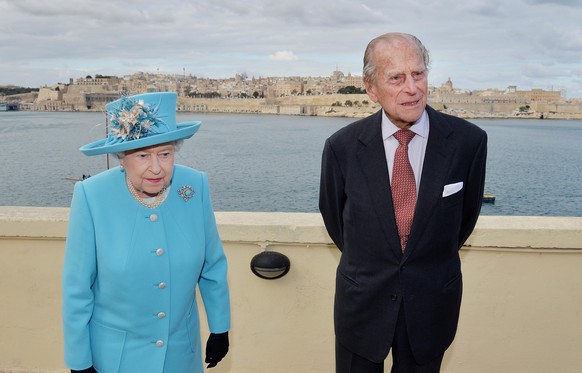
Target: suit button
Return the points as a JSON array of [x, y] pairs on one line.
[[394, 297], [161, 315], [160, 252], [154, 217], [160, 343], [162, 285]]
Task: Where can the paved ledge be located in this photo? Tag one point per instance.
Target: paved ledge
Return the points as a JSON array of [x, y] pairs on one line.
[[492, 232], [276, 227], [527, 232], [33, 222]]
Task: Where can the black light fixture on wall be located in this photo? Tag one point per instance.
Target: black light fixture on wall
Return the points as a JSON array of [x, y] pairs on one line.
[[270, 265]]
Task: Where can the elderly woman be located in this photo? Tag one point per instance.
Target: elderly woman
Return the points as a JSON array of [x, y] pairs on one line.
[[141, 237]]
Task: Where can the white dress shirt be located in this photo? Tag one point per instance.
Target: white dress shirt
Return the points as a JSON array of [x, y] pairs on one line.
[[416, 147]]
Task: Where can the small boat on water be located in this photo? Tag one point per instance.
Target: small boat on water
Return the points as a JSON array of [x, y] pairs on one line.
[[9, 106], [488, 198], [75, 179]]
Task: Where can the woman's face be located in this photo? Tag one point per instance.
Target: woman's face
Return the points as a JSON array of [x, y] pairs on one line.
[[149, 169]]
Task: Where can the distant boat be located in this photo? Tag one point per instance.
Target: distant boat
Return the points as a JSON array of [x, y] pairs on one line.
[[84, 177], [8, 106], [488, 198], [74, 179]]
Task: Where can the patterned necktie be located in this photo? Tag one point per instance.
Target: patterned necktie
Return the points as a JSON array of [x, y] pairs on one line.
[[403, 186]]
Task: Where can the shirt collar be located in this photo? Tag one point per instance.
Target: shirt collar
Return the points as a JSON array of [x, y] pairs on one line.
[[420, 127]]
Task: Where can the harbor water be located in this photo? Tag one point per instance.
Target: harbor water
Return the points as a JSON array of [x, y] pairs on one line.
[[272, 163]]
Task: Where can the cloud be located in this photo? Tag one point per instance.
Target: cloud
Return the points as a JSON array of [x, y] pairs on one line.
[[572, 3], [283, 56], [479, 44]]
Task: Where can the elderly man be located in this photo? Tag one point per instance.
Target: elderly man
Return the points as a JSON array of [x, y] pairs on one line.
[[401, 191]]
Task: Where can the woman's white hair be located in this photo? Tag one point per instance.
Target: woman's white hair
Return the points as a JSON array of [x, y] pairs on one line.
[[177, 145]]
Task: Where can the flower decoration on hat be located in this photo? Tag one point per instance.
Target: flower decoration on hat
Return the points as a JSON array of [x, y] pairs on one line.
[[133, 119], [140, 121]]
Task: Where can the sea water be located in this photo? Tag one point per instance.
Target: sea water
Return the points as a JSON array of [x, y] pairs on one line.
[[272, 162]]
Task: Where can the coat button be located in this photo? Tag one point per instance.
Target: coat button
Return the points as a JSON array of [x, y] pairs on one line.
[[160, 343], [162, 285], [154, 217], [161, 315], [160, 252]]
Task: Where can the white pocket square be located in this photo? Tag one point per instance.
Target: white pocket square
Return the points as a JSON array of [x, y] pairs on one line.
[[451, 189]]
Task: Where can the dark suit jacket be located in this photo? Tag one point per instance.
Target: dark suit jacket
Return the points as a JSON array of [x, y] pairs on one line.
[[373, 276]]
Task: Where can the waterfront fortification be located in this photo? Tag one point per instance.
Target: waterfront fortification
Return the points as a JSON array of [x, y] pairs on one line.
[[338, 95]]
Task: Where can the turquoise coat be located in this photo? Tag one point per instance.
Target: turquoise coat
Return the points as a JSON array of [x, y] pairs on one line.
[[130, 276]]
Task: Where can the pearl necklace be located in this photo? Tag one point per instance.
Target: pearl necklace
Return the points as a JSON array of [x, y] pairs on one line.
[[156, 201]]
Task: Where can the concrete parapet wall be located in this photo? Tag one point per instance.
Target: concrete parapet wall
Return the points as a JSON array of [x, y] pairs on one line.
[[521, 307]]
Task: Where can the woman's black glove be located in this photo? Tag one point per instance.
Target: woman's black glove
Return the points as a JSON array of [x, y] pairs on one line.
[[88, 370], [216, 348]]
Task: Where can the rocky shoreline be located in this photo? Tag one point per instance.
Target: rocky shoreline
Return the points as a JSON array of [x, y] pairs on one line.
[[349, 106], [337, 105]]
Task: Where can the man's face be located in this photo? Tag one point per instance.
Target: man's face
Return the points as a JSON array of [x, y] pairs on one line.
[[401, 82]]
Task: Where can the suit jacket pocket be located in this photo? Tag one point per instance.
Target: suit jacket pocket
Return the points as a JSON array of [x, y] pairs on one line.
[[453, 199], [106, 347], [454, 281], [453, 188], [193, 322], [347, 279]]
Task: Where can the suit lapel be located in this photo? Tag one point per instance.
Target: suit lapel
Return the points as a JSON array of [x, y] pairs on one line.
[[372, 159], [439, 152]]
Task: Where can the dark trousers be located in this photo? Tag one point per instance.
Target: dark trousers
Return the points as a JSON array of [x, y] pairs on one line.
[[402, 358]]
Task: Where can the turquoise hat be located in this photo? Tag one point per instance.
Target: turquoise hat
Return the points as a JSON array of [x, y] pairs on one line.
[[139, 121]]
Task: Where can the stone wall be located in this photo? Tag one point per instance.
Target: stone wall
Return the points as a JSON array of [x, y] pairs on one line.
[[520, 313]]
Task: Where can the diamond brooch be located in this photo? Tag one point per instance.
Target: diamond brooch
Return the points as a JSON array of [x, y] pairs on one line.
[[186, 192]]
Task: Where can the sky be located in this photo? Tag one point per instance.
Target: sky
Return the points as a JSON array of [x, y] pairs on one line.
[[479, 44]]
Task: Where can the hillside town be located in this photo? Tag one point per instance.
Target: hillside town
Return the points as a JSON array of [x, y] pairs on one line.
[[336, 95]]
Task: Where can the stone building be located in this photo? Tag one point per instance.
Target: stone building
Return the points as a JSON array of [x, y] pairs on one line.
[[540, 95]]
